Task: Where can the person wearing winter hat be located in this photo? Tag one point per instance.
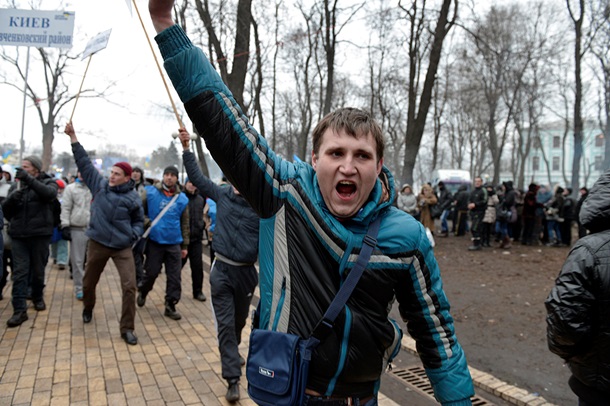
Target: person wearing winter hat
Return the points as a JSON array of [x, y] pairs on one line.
[[137, 175], [30, 207], [168, 240], [117, 222]]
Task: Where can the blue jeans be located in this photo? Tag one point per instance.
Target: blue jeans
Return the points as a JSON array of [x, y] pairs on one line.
[[59, 251], [30, 256], [554, 231], [444, 226]]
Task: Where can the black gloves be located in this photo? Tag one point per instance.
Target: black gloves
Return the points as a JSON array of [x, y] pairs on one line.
[[66, 234], [23, 176]]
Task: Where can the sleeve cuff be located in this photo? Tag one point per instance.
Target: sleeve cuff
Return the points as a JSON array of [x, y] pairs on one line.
[[171, 41]]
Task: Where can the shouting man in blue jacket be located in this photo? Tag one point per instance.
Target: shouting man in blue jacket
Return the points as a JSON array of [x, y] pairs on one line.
[[117, 221], [313, 222]]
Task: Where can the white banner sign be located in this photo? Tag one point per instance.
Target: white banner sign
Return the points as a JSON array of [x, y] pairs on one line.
[[97, 43], [36, 28]]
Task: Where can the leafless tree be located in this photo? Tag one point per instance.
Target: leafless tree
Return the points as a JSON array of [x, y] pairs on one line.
[[578, 17], [600, 19], [422, 42], [50, 96]]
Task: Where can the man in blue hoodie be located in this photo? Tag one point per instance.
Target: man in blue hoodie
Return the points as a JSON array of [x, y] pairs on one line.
[[313, 221], [117, 221]]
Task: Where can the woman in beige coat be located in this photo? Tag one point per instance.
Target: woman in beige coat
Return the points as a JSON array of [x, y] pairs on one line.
[[426, 200]]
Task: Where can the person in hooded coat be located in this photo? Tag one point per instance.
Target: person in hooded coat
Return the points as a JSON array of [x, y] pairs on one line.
[[578, 306]]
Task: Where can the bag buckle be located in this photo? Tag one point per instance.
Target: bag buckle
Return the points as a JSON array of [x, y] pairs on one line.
[[370, 241]]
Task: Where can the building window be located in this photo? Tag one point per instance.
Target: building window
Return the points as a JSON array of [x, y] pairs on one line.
[[599, 163], [556, 163], [556, 141], [599, 140], [536, 163]]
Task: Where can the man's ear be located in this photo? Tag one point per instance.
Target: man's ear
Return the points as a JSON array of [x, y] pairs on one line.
[[314, 160], [379, 166]]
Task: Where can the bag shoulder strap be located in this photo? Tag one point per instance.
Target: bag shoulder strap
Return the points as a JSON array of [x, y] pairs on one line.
[[325, 325], [161, 214]]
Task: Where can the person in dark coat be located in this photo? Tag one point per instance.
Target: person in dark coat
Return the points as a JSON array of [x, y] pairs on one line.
[[569, 213], [582, 231], [233, 276], [117, 222], [195, 247], [530, 206], [477, 204], [461, 210], [30, 207], [578, 310]]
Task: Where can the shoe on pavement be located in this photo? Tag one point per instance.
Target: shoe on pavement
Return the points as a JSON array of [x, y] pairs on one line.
[[242, 361], [233, 392], [170, 311], [17, 319], [141, 299], [39, 305], [200, 296], [62, 267], [129, 337], [87, 315], [79, 296]]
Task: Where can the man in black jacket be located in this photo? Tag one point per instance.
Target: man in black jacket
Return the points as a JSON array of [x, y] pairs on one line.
[[195, 247], [578, 320], [477, 203], [30, 209]]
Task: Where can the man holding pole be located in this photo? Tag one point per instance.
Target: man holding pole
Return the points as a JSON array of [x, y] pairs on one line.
[[313, 223], [117, 221]]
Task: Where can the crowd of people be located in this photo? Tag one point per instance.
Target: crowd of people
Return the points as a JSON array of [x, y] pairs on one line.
[[304, 223], [501, 213]]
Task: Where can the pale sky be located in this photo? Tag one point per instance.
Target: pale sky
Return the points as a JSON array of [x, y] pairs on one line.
[[138, 124]]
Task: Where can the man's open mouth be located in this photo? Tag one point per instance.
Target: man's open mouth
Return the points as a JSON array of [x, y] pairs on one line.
[[346, 189]]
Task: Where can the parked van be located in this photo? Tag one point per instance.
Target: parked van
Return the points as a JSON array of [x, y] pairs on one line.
[[452, 178]]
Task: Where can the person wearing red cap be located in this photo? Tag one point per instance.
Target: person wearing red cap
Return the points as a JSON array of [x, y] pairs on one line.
[[117, 222]]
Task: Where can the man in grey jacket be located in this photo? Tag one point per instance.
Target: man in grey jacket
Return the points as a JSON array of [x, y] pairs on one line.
[[117, 221], [75, 214]]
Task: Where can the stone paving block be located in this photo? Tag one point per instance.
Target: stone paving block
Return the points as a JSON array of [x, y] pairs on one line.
[[23, 395], [132, 390], [38, 398], [169, 394], [43, 385], [98, 398], [117, 399], [114, 386], [79, 394], [151, 393], [60, 389]]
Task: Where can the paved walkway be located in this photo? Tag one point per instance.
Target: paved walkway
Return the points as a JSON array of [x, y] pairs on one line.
[[55, 359]]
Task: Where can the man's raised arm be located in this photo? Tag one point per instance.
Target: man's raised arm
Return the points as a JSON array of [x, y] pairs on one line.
[[161, 13]]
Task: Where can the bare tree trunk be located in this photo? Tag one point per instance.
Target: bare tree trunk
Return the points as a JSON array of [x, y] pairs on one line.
[[416, 124], [578, 122]]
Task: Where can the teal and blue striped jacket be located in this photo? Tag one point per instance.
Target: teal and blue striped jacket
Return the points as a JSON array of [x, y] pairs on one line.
[[305, 253]]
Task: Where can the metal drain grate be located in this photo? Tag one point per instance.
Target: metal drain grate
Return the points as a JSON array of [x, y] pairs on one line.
[[416, 378]]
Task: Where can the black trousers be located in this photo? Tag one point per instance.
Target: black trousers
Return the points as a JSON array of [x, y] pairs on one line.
[[170, 256], [195, 257], [232, 289], [30, 256], [476, 226]]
